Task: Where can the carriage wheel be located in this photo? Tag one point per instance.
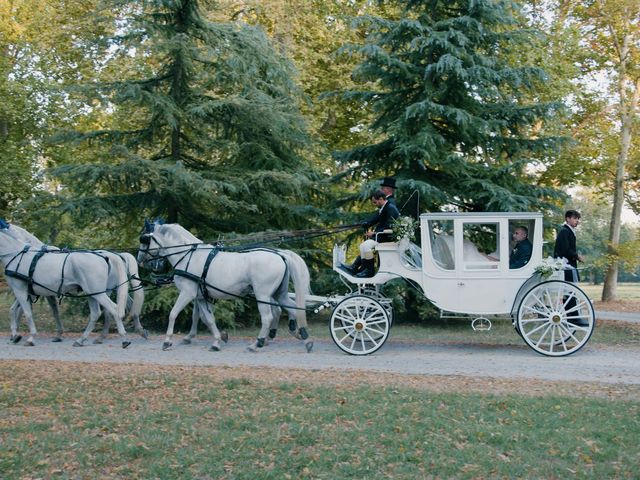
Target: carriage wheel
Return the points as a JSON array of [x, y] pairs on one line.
[[359, 325], [545, 318], [384, 301]]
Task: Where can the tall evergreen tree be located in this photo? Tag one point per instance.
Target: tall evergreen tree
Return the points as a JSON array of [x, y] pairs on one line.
[[456, 116], [206, 129]]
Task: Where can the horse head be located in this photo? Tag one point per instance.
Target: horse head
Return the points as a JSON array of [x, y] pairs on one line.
[[145, 257]]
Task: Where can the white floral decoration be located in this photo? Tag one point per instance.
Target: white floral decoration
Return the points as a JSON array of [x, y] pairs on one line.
[[550, 265], [404, 227]]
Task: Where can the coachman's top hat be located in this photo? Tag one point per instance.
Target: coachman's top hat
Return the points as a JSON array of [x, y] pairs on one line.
[[388, 182]]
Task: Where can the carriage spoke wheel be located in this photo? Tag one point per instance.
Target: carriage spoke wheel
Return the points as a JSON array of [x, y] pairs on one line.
[[359, 325], [384, 301], [547, 318]]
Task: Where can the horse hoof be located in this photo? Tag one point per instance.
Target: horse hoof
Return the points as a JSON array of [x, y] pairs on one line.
[[214, 348], [77, 344], [252, 348], [16, 339], [29, 343], [308, 346], [186, 341], [166, 345], [126, 343], [224, 336], [97, 341], [145, 334], [56, 339]]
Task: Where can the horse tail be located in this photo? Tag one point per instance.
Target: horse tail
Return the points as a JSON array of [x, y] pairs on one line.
[[136, 285], [301, 283], [122, 292]]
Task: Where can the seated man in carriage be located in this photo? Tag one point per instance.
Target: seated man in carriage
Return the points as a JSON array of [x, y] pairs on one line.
[[522, 248], [363, 266]]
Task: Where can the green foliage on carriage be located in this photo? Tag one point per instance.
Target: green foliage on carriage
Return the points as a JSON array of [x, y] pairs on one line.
[[454, 110]]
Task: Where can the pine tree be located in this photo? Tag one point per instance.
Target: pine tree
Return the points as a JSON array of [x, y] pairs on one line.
[[456, 116], [205, 132]]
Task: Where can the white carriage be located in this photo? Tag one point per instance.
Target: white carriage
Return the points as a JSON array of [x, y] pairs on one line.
[[463, 267]]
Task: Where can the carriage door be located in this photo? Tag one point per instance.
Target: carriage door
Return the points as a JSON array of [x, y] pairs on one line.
[[470, 257]]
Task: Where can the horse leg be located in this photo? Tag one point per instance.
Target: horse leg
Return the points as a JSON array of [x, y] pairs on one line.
[[137, 326], [24, 304], [266, 317], [110, 309], [195, 316], [15, 312], [94, 313], [300, 333], [276, 311], [210, 321], [56, 315], [105, 330], [183, 300]]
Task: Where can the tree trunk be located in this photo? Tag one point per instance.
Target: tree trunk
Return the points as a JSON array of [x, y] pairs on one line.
[[628, 114]]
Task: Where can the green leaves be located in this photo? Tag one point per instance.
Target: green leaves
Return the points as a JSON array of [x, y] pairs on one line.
[[205, 128], [453, 111]]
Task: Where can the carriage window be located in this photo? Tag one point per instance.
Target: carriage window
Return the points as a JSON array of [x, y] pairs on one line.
[[441, 238], [520, 246], [480, 248]]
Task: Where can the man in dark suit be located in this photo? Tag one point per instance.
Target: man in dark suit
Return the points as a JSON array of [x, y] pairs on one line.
[[566, 244], [388, 186], [521, 252], [381, 220], [565, 247]]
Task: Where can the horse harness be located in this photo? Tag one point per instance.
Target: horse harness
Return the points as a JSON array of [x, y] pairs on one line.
[[202, 279], [28, 279]]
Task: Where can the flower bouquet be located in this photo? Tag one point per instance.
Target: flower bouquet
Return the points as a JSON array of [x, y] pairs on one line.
[[404, 227], [551, 265]]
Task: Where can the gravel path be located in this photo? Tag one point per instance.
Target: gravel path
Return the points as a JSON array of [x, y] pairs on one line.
[[591, 364]]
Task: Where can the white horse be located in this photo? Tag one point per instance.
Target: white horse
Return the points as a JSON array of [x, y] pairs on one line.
[[15, 312], [202, 272], [51, 273], [275, 309], [134, 302]]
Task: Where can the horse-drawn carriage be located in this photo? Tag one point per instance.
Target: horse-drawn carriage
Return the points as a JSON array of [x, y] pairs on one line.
[[463, 267]]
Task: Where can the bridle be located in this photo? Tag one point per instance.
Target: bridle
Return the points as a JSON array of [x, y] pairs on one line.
[[156, 260]]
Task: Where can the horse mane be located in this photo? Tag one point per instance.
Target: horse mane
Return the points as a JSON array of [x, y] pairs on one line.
[[26, 236], [10, 241], [178, 233]]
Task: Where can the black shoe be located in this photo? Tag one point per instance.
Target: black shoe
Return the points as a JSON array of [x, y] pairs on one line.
[[348, 269], [578, 322], [364, 274], [368, 269]]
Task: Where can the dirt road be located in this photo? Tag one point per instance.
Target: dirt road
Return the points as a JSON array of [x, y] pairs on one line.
[[591, 364]]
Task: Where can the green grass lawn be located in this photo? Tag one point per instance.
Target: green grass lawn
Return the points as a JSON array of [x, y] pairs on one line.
[[80, 421], [626, 291], [66, 420]]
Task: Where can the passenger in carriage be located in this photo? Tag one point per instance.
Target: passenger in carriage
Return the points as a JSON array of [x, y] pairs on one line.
[[522, 249], [363, 266]]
